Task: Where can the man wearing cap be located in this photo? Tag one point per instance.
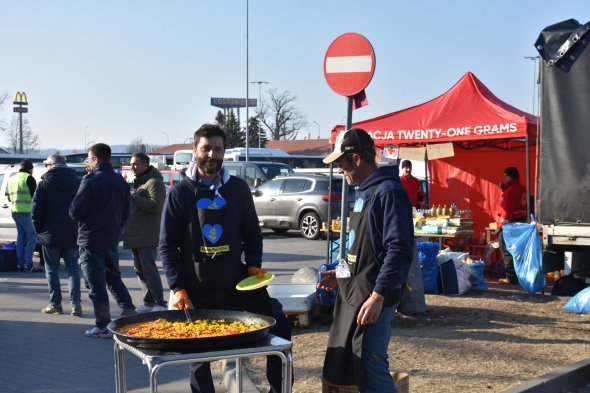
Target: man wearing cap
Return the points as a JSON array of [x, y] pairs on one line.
[[411, 184], [380, 250], [512, 209], [21, 188], [57, 232]]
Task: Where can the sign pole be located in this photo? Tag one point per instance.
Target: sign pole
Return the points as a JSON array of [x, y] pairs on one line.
[[344, 206]]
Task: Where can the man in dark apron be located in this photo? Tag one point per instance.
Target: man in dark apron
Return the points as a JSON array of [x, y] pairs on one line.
[[380, 247], [208, 221]]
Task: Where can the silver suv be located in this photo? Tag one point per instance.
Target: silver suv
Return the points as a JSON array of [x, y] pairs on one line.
[[298, 202]]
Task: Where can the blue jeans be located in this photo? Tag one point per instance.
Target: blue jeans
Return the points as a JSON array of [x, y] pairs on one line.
[[375, 364], [101, 270], [70, 257], [25, 240]]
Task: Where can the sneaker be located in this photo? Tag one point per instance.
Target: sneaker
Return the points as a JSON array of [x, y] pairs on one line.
[[76, 311], [128, 311], [51, 309], [142, 309], [97, 332], [20, 268], [157, 307], [34, 269]]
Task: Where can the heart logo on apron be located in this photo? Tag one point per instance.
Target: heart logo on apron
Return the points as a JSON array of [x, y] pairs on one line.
[[212, 233], [215, 204]]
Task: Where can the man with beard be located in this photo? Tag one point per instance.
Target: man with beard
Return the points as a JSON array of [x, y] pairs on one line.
[[208, 221]]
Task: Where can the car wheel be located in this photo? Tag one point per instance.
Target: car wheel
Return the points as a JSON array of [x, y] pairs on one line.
[[310, 226], [280, 231]]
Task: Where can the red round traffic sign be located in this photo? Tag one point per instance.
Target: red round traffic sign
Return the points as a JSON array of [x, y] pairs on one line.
[[349, 64]]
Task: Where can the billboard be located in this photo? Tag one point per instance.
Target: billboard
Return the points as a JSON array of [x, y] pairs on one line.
[[227, 103]]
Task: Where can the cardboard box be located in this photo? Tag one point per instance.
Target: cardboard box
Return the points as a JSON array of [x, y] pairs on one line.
[[295, 298], [401, 382]]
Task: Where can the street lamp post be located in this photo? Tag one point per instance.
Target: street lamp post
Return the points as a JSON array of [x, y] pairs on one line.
[[534, 59], [167, 138], [317, 124], [259, 104], [20, 99]]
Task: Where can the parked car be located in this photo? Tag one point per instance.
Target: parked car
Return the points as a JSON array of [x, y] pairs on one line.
[[298, 201], [7, 226], [256, 173]]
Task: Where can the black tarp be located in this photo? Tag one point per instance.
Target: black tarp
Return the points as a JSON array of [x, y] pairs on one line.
[[564, 184]]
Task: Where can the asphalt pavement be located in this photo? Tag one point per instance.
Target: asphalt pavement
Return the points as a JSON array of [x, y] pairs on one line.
[[44, 353]]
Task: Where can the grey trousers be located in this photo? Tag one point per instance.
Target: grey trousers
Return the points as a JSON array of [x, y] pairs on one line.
[[144, 263]]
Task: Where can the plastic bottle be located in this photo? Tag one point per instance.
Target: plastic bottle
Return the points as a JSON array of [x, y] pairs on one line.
[[445, 211], [452, 211]]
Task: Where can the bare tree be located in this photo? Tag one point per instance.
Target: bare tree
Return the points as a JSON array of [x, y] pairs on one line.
[[137, 146], [3, 98], [281, 117], [30, 139]]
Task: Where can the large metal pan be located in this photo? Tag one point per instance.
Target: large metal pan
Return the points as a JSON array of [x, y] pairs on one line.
[[193, 344]]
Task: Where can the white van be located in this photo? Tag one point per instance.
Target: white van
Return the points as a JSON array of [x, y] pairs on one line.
[[181, 159], [254, 154]]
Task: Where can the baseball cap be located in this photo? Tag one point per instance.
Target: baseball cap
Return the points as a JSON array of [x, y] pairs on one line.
[[354, 140]]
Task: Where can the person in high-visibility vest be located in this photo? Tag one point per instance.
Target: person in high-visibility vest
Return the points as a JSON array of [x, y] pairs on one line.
[[21, 188]]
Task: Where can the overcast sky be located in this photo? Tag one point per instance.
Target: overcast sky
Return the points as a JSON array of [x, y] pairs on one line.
[[113, 71]]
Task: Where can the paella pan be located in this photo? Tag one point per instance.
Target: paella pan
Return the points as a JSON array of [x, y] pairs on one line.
[[120, 328]]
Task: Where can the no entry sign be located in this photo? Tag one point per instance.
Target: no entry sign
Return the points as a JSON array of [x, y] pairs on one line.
[[349, 64]]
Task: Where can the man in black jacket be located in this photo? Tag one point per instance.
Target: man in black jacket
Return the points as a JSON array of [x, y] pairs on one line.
[[57, 232], [101, 207], [209, 220]]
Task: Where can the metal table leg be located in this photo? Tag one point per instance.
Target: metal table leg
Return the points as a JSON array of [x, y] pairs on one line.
[[120, 381]]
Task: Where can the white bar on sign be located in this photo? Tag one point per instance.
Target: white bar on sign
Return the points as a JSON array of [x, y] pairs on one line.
[[336, 65]]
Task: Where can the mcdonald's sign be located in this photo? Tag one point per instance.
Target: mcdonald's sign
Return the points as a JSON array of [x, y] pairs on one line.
[[20, 98]]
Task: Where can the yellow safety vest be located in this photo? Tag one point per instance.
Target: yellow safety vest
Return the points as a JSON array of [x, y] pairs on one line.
[[19, 192]]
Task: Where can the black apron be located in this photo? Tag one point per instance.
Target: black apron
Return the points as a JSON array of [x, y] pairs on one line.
[[217, 267], [343, 369]]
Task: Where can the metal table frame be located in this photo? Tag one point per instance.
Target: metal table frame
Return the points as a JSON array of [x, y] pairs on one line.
[[155, 360]]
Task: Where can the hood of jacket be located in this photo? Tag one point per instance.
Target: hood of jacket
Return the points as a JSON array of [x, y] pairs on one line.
[[191, 173], [390, 172], [64, 174], [150, 173]]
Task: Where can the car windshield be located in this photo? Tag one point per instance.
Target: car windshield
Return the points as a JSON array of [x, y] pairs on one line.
[[272, 171]]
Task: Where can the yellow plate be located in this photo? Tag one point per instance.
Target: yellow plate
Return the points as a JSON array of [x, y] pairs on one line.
[[252, 282]]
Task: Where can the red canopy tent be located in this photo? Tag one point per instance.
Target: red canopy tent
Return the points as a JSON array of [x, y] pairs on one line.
[[488, 135]]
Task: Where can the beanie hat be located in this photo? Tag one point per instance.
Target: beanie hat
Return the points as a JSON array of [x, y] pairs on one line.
[[27, 165], [406, 163], [512, 172]]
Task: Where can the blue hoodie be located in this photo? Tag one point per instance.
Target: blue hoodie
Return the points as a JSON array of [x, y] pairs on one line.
[[50, 207], [391, 227]]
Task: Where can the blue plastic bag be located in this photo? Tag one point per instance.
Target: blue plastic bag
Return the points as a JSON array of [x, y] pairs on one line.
[[427, 257], [524, 244], [579, 303], [477, 279]]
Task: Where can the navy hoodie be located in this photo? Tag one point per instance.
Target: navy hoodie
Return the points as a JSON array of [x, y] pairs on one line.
[[50, 206], [102, 207], [391, 227]]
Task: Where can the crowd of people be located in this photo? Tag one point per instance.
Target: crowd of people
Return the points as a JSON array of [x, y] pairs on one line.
[[207, 235]]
